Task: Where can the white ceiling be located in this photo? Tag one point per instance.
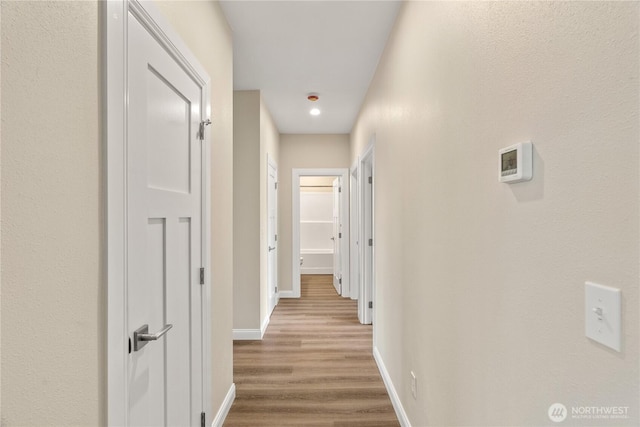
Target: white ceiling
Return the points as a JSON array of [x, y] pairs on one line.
[[288, 49]]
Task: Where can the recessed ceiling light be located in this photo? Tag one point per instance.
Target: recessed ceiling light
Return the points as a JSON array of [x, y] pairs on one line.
[[314, 112]]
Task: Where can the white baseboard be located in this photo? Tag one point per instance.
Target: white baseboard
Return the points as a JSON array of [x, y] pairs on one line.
[[225, 407], [246, 334], [288, 294], [263, 327], [393, 395], [316, 270], [251, 334]]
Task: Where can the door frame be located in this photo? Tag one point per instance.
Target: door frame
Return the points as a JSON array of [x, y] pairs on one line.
[[295, 224], [337, 184], [276, 297], [354, 221], [114, 24], [367, 289]]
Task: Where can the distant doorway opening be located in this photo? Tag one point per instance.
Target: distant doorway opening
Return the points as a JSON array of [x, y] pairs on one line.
[[320, 214], [320, 228]]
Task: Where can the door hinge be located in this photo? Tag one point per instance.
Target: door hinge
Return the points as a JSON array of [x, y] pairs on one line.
[[276, 237], [370, 180], [370, 242], [201, 130], [340, 280], [370, 304], [202, 419], [276, 185], [339, 235], [339, 189], [276, 289], [202, 275]]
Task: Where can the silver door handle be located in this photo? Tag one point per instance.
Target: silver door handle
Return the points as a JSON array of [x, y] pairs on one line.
[[141, 336], [333, 238], [272, 248]]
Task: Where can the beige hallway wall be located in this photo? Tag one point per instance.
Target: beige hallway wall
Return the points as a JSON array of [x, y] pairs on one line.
[[256, 136], [246, 207], [302, 151], [479, 284], [53, 292]]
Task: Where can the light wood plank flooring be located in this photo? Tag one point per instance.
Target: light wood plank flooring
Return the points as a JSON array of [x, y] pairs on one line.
[[313, 367]]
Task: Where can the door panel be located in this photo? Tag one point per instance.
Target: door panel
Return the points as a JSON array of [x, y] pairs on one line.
[[164, 234], [337, 253], [367, 276], [272, 229], [177, 341], [168, 115], [354, 255]]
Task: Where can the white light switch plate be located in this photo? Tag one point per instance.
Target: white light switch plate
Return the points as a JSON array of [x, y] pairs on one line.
[[603, 308]]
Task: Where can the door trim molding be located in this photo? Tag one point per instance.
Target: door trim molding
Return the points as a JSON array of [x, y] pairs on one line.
[[354, 223], [114, 20], [295, 223], [367, 290], [272, 163]]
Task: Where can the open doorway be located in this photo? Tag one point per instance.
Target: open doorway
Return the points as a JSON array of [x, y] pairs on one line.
[[320, 228], [320, 215]]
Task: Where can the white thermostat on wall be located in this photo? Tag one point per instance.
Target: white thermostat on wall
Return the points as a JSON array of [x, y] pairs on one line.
[[515, 163]]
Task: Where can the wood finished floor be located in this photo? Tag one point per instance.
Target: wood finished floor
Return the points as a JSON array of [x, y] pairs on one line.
[[313, 367]]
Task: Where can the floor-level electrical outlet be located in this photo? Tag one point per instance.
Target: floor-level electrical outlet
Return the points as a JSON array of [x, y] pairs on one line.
[[414, 385]]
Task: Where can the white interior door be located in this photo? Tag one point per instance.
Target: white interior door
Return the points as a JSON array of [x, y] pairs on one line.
[[337, 234], [164, 243], [272, 230], [354, 218], [365, 306]]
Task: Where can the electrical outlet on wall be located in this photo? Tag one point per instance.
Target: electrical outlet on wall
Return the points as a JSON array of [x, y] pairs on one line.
[[414, 385]]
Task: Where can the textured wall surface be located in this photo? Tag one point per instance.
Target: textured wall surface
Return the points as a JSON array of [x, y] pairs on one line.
[[53, 295], [246, 208], [255, 135], [204, 28], [302, 151], [479, 284]]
